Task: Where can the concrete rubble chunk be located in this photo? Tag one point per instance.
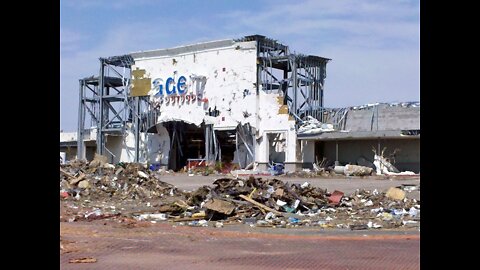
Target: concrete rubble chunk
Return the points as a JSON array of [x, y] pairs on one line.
[[312, 125], [98, 161], [220, 206], [84, 184], [142, 174], [356, 170]]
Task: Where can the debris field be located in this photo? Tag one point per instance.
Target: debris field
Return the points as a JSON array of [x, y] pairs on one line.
[[130, 193]]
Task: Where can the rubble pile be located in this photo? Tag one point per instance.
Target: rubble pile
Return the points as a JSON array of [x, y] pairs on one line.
[[273, 203], [98, 190], [312, 125], [99, 180]]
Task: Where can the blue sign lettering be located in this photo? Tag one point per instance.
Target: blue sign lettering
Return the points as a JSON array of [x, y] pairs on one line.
[[157, 85], [167, 86], [182, 88], [170, 87]]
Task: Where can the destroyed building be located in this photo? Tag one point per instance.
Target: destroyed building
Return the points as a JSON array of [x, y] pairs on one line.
[[249, 101], [236, 100]]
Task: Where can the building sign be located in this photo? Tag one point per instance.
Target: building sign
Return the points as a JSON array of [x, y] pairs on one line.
[[171, 88], [175, 92]]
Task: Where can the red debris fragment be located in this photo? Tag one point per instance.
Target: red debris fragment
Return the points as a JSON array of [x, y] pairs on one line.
[[335, 198], [64, 194]]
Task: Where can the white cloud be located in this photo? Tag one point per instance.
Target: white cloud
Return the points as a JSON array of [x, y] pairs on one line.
[[107, 4], [374, 44], [342, 19]]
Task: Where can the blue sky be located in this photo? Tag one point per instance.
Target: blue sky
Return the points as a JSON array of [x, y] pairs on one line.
[[374, 45]]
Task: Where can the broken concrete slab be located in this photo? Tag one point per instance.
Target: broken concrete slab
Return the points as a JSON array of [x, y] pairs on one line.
[[98, 161], [220, 206], [356, 170]]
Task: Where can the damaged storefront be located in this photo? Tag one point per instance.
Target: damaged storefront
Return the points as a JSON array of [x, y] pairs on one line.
[[230, 101], [367, 135]]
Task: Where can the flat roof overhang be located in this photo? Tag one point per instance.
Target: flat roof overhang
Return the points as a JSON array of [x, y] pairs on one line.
[[357, 135]]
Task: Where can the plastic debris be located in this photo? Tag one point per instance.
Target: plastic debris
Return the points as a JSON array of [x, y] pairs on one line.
[[373, 225], [413, 212], [160, 216], [281, 203]]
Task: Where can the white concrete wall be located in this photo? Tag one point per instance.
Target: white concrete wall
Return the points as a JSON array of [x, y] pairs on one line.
[[158, 146], [68, 136], [270, 121], [115, 145], [230, 74], [154, 148], [72, 136], [229, 85]]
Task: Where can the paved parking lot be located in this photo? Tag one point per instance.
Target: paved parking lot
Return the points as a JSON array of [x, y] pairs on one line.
[[161, 246], [114, 244]]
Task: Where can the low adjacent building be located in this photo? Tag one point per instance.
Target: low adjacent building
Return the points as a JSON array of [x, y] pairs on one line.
[[357, 133]]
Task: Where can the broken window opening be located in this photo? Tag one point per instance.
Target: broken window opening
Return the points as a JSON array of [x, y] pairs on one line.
[[277, 146], [245, 147], [187, 142]]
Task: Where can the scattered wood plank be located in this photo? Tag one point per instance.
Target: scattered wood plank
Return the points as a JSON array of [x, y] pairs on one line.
[[66, 173], [261, 205], [78, 179]]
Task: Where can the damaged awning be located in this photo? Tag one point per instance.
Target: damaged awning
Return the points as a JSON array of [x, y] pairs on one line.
[[345, 135]]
